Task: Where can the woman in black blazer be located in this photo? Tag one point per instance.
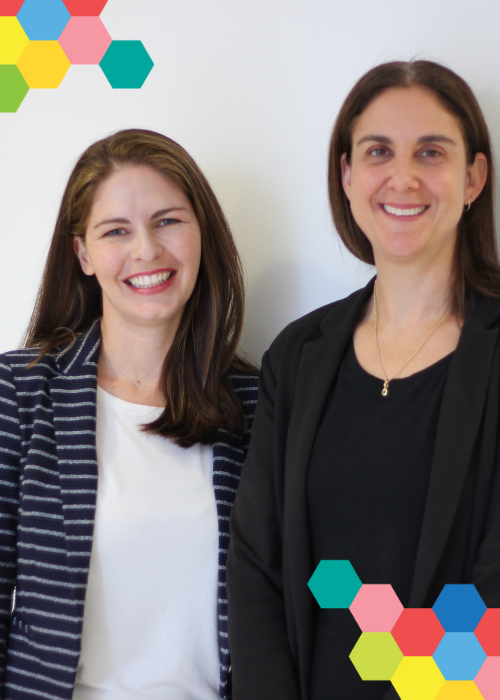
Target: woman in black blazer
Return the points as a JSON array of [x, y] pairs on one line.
[[139, 314], [376, 436]]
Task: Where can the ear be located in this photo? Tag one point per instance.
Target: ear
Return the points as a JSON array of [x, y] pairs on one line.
[[346, 175], [477, 174], [82, 255]]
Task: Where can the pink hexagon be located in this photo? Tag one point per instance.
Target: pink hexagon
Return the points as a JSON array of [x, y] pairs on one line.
[[488, 678], [85, 40], [376, 608]]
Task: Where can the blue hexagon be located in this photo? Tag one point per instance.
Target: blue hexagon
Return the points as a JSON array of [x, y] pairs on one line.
[[459, 607], [43, 20], [334, 583], [459, 656], [126, 64]]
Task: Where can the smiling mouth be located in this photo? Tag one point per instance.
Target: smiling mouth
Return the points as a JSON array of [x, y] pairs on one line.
[[403, 212], [148, 281]]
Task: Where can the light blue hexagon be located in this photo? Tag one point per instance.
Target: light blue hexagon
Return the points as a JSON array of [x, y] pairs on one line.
[[334, 583], [43, 20], [459, 607], [459, 656]]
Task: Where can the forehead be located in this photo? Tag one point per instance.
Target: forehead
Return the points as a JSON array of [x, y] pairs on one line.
[[133, 184], [407, 113]]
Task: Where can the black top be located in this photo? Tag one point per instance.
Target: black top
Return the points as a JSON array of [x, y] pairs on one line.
[[366, 489]]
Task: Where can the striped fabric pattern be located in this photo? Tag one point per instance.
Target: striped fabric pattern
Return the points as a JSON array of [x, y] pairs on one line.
[[48, 479]]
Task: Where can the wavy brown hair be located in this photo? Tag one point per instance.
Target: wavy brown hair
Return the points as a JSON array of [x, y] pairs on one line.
[[476, 265], [199, 395]]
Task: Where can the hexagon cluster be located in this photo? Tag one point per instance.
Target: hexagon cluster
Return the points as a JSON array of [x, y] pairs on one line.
[[40, 39], [450, 651]]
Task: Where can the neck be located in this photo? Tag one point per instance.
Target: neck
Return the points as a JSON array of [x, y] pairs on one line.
[[136, 351], [409, 295]]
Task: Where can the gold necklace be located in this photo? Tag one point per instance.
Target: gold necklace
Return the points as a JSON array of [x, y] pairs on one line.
[[387, 379], [125, 377]]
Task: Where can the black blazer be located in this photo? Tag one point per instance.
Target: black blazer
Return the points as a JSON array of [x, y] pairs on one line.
[[271, 608], [48, 482]]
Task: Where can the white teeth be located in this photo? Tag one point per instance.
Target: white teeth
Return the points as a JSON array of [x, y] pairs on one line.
[[145, 281], [403, 212]]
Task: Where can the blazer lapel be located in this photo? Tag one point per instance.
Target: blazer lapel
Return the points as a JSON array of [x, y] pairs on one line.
[[317, 369], [73, 393], [458, 426]]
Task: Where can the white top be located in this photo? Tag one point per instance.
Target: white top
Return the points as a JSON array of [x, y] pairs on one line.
[[150, 620]]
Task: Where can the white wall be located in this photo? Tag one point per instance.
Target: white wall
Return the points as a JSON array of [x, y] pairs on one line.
[[250, 88]]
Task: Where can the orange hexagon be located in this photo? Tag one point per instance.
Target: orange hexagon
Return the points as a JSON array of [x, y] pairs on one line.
[[43, 64]]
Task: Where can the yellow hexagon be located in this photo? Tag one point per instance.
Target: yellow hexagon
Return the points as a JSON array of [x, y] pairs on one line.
[[459, 690], [418, 678], [43, 64], [13, 40]]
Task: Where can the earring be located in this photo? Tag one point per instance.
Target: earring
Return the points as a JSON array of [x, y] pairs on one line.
[[467, 207]]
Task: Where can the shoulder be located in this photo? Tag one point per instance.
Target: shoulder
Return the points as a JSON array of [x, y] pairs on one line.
[[334, 318], [245, 386], [18, 365]]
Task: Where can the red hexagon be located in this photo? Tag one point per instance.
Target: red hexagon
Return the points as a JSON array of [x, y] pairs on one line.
[[84, 8], [418, 632], [488, 631], [9, 8]]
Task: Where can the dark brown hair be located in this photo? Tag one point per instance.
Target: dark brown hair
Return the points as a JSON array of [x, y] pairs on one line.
[[199, 396], [476, 265]]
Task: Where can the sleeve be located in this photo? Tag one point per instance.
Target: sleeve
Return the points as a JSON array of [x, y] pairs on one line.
[[262, 664], [10, 456]]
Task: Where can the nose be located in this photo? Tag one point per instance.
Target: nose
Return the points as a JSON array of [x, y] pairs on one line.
[[403, 173], [146, 245]]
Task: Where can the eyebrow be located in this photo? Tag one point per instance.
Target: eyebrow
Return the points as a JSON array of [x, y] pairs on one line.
[[161, 212], [435, 138]]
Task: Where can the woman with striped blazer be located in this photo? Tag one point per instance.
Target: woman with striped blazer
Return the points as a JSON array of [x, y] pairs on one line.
[[124, 423]]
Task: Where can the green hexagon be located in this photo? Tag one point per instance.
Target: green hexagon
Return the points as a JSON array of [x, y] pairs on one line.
[[126, 64], [334, 583], [376, 656], [13, 88]]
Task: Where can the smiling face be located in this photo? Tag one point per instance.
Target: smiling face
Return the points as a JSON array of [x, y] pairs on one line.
[[408, 178], [143, 243]]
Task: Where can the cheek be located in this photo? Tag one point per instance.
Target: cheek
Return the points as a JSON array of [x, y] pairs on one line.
[[187, 249], [106, 263], [365, 184]]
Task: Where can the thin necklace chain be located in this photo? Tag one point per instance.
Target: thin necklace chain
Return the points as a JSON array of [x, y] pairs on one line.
[[153, 393], [387, 379]]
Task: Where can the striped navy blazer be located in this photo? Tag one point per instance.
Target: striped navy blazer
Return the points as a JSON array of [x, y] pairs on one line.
[[48, 478]]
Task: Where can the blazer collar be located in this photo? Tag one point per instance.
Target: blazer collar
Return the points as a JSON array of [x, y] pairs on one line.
[[83, 353], [344, 314]]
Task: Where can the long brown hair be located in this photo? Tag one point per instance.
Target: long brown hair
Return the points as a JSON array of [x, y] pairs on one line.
[[476, 265], [199, 396]]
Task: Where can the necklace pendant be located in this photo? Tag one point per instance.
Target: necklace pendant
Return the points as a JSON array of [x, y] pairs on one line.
[[385, 390]]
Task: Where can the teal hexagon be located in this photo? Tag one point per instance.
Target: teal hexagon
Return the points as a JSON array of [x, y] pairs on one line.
[[13, 88], [126, 64], [334, 583]]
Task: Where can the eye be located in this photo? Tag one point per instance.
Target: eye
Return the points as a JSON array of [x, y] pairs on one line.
[[378, 151], [430, 153], [115, 232], [167, 222]]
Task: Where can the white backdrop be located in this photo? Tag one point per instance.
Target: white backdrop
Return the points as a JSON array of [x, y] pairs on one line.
[[251, 89]]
